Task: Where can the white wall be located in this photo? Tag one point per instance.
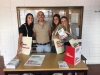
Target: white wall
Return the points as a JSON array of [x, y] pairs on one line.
[[90, 33], [0, 42]]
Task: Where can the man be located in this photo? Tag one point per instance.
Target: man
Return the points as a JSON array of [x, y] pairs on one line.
[[42, 31]]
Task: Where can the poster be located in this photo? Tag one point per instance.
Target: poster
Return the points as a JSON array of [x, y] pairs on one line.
[[35, 60], [74, 17]]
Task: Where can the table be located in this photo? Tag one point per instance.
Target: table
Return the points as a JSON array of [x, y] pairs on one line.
[[49, 65]]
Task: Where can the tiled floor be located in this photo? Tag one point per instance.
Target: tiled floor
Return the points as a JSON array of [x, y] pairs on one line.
[[93, 69]]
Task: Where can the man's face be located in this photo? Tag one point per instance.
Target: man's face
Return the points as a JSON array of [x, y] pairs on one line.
[[40, 16]]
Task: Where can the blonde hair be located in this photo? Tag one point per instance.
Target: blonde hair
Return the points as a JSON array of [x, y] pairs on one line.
[[67, 26]]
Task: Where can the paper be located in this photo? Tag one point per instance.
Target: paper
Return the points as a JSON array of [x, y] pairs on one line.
[[73, 42], [77, 31], [35, 60], [74, 18], [63, 64], [62, 13], [62, 33], [13, 63]]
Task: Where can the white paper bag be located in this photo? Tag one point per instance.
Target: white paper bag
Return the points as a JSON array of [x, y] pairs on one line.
[[26, 44], [58, 49]]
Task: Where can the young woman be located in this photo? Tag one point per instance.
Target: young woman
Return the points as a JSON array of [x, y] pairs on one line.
[[55, 27], [70, 30], [55, 23], [22, 29]]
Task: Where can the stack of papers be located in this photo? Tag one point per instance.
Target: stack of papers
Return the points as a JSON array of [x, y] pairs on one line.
[[74, 43], [63, 64], [13, 63], [62, 33], [35, 60]]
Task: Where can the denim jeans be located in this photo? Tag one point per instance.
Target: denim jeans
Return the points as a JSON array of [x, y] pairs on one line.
[[53, 49], [43, 48]]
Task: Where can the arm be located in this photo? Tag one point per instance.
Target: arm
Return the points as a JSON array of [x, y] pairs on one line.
[[19, 42], [73, 35], [50, 34], [34, 34], [21, 30], [56, 35]]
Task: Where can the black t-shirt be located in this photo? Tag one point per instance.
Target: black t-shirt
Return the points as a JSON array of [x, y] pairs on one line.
[[22, 29]]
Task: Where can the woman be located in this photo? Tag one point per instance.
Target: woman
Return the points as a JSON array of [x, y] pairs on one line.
[[55, 27], [70, 30], [24, 28]]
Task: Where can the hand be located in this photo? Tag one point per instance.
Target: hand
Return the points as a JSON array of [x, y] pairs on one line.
[[54, 36], [59, 44], [18, 51], [62, 37]]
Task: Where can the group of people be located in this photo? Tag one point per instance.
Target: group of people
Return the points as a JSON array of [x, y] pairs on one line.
[[43, 32]]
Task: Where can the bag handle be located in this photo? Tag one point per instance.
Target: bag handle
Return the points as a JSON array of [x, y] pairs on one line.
[[56, 30], [26, 30], [70, 30]]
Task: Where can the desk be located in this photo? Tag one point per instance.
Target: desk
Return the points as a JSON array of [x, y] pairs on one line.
[[49, 65]]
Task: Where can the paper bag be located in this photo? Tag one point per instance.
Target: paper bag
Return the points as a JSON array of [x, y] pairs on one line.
[[73, 55], [26, 45], [59, 46]]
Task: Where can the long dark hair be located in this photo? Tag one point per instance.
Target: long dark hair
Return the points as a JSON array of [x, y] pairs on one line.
[[53, 24], [27, 17], [68, 26]]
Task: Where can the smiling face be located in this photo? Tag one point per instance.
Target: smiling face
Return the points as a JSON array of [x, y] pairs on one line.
[[56, 20], [40, 16], [29, 19], [64, 22]]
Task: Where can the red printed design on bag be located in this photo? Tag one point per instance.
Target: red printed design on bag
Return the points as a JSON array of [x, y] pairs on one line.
[[24, 46], [68, 54], [59, 43]]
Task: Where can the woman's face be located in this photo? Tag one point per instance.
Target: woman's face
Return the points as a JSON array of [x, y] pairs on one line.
[[29, 19], [56, 20], [64, 22]]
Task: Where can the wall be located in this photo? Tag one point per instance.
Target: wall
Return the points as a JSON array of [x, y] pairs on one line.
[[90, 33]]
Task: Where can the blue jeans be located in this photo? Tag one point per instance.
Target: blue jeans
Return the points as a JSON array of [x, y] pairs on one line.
[[53, 49], [43, 48]]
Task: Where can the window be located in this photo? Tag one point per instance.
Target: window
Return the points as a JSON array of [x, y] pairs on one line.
[[74, 14]]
